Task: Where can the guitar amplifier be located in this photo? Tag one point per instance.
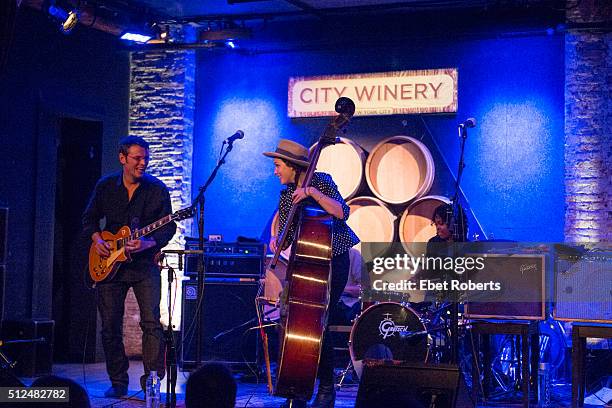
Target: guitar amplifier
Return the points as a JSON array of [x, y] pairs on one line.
[[227, 260], [583, 288], [228, 317], [522, 295]]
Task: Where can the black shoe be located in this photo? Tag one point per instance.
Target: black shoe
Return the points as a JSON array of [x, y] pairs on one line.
[[296, 404], [326, 397], [116, 391]]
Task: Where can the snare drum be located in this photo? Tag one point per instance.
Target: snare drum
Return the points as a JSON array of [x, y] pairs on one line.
[[388, 331]]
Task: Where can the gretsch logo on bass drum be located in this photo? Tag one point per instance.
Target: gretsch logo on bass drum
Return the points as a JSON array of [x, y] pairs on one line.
[[388, 328]]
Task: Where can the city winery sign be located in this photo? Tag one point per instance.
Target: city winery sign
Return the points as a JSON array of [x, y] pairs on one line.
[[382, 93]]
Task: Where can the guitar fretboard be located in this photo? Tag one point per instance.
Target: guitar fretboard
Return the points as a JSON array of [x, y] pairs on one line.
[[139, 233]]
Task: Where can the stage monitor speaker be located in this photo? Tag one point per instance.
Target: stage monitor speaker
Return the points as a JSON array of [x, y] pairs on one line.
[[522, 295], [392, 384], [228, 312], [34, 354], [583, 288]]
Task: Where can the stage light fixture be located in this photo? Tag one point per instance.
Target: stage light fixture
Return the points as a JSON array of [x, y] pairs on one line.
[[68, 19], [162, 33], [136, 37]]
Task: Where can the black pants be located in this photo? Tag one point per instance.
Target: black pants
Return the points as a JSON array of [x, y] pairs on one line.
[[340, 272], [111, 302]]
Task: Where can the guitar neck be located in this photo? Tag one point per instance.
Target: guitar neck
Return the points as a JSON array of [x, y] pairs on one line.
[[139, 233]]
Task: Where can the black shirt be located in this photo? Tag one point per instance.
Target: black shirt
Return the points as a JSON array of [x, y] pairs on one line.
[[343, 236], [150, 202]]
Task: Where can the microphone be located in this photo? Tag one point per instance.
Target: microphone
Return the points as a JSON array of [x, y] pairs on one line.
[[469, 123], [238, 135]]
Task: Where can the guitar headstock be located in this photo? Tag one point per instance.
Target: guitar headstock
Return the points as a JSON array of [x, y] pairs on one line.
[[184, 213], [346, 109], [345, 106]]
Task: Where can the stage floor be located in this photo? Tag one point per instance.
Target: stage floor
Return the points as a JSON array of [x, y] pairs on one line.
[[250, 394], [94, 378]]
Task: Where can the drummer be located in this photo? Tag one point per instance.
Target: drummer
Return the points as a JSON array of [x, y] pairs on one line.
[[450, 227]]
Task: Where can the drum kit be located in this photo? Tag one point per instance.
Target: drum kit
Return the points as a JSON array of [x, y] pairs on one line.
[[400, 331], [421, 333]]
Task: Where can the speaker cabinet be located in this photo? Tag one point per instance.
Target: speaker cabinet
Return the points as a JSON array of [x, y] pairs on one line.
[[228, 312], [3, 233], [583, 292], [34, 352], [393, 384], [522, 295]]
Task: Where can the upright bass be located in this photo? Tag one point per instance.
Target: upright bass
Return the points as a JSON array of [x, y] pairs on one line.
[[308, 280]]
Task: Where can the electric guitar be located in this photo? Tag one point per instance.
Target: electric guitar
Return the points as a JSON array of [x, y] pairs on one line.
[[101, 268]]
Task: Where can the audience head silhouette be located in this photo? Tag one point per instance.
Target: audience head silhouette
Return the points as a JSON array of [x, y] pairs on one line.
[[211, 386], [77, 396]]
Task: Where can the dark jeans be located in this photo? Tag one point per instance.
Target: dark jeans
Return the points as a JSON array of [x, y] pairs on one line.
[[111, 302], [340, 271]]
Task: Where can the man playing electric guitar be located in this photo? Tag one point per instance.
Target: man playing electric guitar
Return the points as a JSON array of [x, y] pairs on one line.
[[134, 199]]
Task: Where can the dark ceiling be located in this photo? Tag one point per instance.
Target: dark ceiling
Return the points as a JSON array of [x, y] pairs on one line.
[[201, 10], [257, 22]]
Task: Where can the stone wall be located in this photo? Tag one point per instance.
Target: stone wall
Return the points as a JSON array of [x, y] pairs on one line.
[[162, 105], [588, 123]]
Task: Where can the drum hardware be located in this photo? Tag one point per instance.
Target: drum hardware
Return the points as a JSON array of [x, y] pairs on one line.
[[552, 347], [343, 374], [506, 356]]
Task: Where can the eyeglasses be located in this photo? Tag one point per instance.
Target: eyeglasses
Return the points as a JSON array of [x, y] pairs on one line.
[[139, 158]]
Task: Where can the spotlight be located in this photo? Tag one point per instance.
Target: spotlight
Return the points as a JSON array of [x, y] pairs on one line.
[[231, 44], [68, 20]]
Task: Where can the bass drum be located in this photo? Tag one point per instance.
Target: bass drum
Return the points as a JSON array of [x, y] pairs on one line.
[[388, 331]]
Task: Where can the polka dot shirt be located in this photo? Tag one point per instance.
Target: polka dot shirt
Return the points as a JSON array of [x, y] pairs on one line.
[[343, 237]]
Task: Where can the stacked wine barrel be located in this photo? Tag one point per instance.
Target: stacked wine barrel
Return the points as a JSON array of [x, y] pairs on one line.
[[387, 189]]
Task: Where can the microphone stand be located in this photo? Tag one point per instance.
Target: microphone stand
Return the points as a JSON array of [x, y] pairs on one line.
[[199, 200], [171, 346], [463, 136], [454, 308]]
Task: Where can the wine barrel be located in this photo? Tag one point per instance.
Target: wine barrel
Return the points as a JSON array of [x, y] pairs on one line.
[[400, 169], [372, 221], [344, 161], [415, 224]]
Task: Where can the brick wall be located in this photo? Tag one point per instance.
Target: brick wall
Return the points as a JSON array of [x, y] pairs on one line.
[[588, 124], [162, 104]]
